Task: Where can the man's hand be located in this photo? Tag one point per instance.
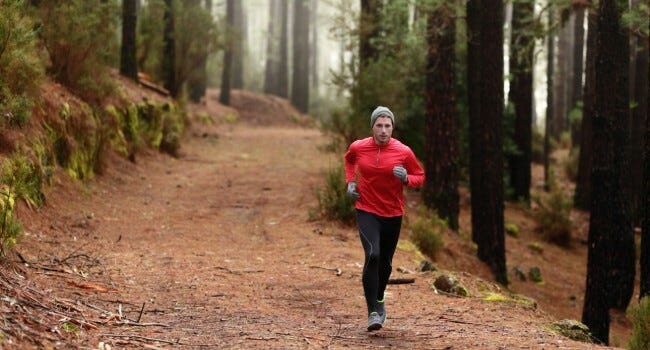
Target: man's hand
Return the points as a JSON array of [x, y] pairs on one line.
[[400, 173], [352, 190]]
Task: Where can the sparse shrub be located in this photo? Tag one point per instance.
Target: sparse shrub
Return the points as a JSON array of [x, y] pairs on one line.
[[553, 218], [196, 36], [426, 233], [115, 129], [19, 179], [537, 147], [512, 230], [575, 122], [23, 179], [571, 164], [172, 130], [231, 118], [535, 274], [9, 227], [333, 201], [640, 316], [565, 140], [21, 68], [536, 247], [79, 36]]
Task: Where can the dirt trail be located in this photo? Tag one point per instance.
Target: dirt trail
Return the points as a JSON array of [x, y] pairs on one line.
[[218, 247]]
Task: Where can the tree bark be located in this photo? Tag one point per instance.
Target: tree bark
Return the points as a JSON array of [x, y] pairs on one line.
[[645, 230], [283, 70], [368, 29], [485, 86], [521, 96], [578, 50], [300, 77], [198, 80], [550, 98], [582, 194], [128, 61], [272, 50], [611, 257], [239, 29], [441, 141], [560, 78], [639, 84], [313, 65], [169, 50], [226, 76]]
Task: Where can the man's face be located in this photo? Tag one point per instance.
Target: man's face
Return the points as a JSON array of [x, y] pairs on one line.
[[382, 130]]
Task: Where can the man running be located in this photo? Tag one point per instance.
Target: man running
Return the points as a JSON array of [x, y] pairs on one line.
[[383, 166]]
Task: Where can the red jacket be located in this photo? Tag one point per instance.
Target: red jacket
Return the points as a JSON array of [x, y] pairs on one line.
[[381, 192]]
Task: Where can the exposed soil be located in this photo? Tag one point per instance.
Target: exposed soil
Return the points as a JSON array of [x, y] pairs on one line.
[[216, 249]]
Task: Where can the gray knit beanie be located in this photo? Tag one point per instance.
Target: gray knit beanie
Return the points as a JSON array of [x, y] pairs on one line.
[[381, 111]]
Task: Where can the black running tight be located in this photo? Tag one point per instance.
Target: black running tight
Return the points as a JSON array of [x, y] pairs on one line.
[[379, 236]]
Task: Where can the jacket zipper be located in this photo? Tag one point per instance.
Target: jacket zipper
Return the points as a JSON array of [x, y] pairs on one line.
[[378, 154]]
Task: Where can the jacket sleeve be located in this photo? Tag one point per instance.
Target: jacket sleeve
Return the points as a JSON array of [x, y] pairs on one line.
[[350, 164], [414, 170]]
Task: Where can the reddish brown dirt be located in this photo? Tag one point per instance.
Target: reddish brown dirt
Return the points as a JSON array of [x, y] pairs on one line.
[[215, 249]]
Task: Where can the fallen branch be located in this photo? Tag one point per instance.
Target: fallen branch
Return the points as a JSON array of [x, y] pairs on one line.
[[335, 269], [154, 87], [139, 337], [91, 287], [130, 323], [401, 280], [141, 311], [237, 272], [82, 324], [461, 322]]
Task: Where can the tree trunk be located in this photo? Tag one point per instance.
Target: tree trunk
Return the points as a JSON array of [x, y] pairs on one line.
[[169, 50], [560, 94], [578, 50], [314, 45], [521, 96], [611, 257], [582, 195], [198, 80], [128, 61], [283, 70], [485, 86], [226, 76], [368, 29], [550, 99], [300, 80], [272, 52], [639, 83], [239, 28], [441, 141], [645, 230]]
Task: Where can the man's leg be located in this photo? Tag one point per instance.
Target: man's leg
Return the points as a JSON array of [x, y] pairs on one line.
[[390, 229], [369, 233]]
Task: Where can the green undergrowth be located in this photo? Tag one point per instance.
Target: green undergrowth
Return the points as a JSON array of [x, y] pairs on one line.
[[514, 299], [77, 140]]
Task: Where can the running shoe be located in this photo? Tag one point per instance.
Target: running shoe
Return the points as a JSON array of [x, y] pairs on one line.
[[374, 321], [381, 310]]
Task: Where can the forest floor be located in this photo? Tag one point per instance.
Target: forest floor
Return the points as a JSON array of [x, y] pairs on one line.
[[216, 249]]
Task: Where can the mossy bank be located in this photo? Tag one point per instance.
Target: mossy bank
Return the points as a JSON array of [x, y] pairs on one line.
[[69, 134]]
